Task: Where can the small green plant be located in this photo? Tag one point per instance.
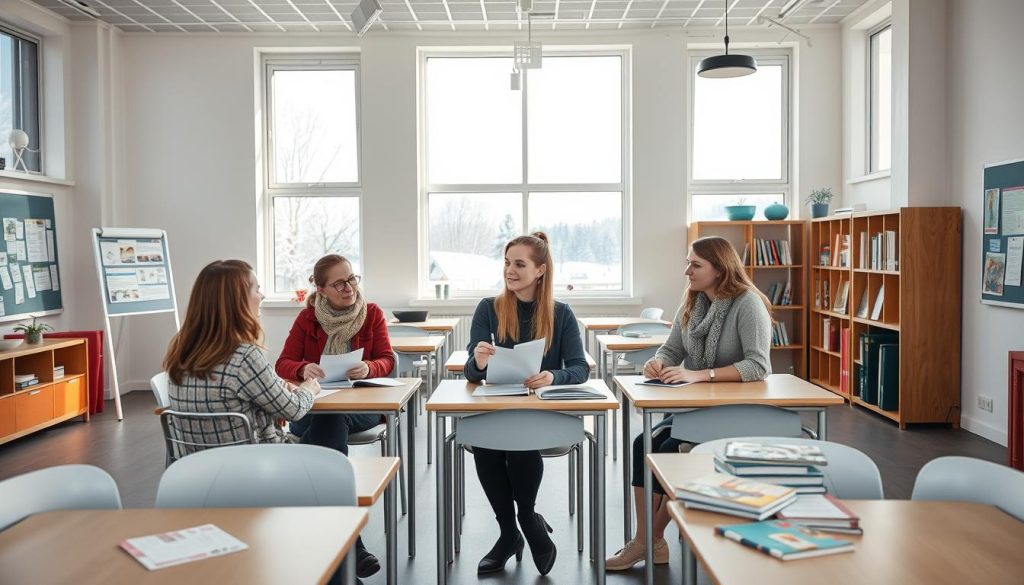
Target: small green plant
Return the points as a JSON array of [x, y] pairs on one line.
[[34, 331], [823, 195], [740, 201]]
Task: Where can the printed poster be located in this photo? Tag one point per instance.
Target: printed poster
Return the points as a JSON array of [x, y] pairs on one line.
[[35, 240], [41, 278], [992, 275], [992, 211], [122, 285], [1013, 211], [149, 252], [1014, 255], [10, 229]]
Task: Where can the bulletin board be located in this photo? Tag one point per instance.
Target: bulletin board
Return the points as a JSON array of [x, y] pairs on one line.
[[134, 271], [29, 274], [1002, 248]]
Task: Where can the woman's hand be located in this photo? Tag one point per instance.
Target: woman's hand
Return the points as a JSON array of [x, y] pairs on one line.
[[676, 375], [312, 372], [312, 385], [540, 380], [482, 354], [654, 368], [358, 372]]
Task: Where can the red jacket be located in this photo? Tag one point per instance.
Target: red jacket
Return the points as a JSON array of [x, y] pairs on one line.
[[306, 341]]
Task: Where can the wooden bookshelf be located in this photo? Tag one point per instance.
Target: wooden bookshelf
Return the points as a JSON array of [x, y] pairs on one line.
[[921, 303], [790, 358], [52, 400]]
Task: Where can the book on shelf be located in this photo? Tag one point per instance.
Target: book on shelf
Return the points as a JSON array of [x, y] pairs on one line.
[[787, 293], [26, 384], [844, 360], [830, 334], [876, 311], [746, 252], [784, 540], [821, 512], [869, 344], [841, 296], [824, 253], [58, 371], [24, 377], [889, 376], [779, 334], [863, 259], [728, 495], [862, 306]]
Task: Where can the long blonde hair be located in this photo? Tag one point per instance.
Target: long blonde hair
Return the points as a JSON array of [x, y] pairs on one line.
[[733, 281], [543, 322], [218, 320]]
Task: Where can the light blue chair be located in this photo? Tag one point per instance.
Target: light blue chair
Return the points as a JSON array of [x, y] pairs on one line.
[[159, 385], [965, 479], [652, 313], [63, 487], [727, 421]]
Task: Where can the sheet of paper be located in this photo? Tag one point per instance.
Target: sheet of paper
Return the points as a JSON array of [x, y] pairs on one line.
[[1013, 211], [501, 389], [19, 249], [335, 366], [30, 283], [51, 253], [5, 276], [1014, 254], [10, 229], [167, 549], [35, 240], [3, 311], [19, 293], [53, 277], [122, 285], [15, 273], [514, 366], [19, 229], [41, 276]]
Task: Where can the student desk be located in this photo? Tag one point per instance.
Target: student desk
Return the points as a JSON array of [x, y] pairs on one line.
[[457, 363], [423, 346], [286, 545], [373, 476], [609, 344], [445, 325], [592, 325], [386, 401], [782, 390], [454, 399]]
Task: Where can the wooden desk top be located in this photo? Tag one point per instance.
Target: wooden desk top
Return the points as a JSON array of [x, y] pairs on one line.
[[457, 396], [621, 343], [457, 361], [436, 324], [613, 323], [905, 542], [373, 474], [417, 344], [673, 469], [286, 545], [776, 390], [377, 398]]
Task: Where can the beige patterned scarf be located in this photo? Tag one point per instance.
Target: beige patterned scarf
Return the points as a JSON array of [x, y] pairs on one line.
[[340, 324]]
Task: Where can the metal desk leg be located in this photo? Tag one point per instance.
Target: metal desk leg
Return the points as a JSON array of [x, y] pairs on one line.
[[390, 506], [410, 473], [822, 427], [648, 505], [615, 413], [627, 469], [689, 565], [430, 417], [348, 567], [599, 502], [442, 545]]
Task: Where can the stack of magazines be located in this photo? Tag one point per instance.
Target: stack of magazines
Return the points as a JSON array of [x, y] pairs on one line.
[[794, 466], [823, 513], [735, 496]]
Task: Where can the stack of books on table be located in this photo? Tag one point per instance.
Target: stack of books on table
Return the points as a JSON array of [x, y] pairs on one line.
[[794, 466], [784, 540], [736, 496], [823, 513], [58, 372], [22, 381]]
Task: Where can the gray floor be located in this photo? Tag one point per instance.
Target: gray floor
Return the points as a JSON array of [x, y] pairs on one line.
[[132, 451]]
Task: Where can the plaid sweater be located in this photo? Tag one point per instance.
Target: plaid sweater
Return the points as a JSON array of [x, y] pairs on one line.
[[246, 384]]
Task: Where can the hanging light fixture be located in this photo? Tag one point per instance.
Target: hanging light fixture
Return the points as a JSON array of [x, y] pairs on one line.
[[722, 66]]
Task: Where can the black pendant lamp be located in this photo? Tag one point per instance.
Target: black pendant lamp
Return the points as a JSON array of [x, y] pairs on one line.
[[723, 66]]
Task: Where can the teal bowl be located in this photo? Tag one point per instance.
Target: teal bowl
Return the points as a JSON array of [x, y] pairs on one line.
[[740, 212]]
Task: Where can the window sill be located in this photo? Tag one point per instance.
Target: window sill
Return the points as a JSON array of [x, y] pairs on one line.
[[34, 178], [870, 177], [279, 304], [472, 302]]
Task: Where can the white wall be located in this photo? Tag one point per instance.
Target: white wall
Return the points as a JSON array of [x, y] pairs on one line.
[[190, 135]]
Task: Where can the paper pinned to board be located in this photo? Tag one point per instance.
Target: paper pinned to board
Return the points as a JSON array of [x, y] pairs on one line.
[[336, 367], [514, 366]]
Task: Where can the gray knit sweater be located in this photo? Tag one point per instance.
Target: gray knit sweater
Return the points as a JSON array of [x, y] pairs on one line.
[[745, 341]]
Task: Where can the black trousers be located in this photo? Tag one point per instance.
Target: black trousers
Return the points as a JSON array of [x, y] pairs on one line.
[[661, 442], [510, 479]]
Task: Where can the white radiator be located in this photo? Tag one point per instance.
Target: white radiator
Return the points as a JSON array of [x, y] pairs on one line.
[[461, 333]]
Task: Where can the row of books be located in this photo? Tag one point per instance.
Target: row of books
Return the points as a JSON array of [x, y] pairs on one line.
[[779, 334], [882, 253], [780, 294], [772, 252], [830, 334], [22, 381], [821, 295], [878, 375], [822, 298]]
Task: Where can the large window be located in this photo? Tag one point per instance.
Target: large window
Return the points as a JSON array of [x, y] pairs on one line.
[[880, 100], [497, 163], [311, 167], [739, 139], [19, 95]]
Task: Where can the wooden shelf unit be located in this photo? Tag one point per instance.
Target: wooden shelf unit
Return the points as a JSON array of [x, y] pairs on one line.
[[51, 401], [790, 358], [921, 303]]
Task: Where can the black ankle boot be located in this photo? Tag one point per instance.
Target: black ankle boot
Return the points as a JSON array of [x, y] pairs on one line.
[[536, 530], [500, 553]]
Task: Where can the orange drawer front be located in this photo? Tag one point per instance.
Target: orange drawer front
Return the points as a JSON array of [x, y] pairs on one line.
[[33, 407], [7, 425], [68, 397]]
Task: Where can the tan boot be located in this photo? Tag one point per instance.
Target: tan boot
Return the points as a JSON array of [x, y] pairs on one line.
[[660, 551], [630, 554]]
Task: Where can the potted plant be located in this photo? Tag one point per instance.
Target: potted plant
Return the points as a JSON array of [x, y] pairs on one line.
[[740, 211], [34, 332], [819, 200]]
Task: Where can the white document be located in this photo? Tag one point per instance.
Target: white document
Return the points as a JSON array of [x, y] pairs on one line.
[[1014, 255], [365, 383], [336, 366], [167, 549], [5, 276], [41, 275], [19, 228], [19, 249], [19, 293], [35, 240], [501, 389], [514, 366], [51, 254], [2, 310], [55, 280], [1013, 211], [30, 282], [15, 273]]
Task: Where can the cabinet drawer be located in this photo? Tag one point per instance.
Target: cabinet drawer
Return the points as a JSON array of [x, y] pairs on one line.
[[7, 425], [68, 397], [33, 407]]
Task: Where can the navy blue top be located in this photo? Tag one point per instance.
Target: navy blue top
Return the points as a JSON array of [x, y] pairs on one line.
[[564, 359]]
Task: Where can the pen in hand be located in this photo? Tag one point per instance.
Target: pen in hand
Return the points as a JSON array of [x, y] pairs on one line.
[[494, 343]]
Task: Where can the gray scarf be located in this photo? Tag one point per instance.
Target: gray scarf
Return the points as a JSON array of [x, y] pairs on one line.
[[705, 329], [340, 325]]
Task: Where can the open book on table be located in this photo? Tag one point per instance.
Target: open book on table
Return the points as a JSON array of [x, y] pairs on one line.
[[371, 382], [569, 392]]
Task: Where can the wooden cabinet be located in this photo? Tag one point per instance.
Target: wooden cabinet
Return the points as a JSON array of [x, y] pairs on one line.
[[1016, 410], [54, 398]]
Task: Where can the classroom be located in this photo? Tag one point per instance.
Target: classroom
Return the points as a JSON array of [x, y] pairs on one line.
[[774, 240]]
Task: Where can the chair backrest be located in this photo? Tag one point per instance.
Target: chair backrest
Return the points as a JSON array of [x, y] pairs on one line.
[[648, 328], [64, 487], [652, 313], [394, 368], [850, 474], [258, 476], [406, 331], [966, 479], [503, 429], [189, 432], [735, 420], [159, 385]]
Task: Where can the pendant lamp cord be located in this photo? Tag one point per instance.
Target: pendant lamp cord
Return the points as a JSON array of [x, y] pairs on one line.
[[726, 27]]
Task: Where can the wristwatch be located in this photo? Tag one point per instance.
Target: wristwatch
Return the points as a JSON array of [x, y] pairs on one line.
[[711, 374]]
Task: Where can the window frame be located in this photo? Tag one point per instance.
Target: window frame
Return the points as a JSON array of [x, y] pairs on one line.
[[743, 187], [524, 187], [24, 35], [270, 63], [869, 131]]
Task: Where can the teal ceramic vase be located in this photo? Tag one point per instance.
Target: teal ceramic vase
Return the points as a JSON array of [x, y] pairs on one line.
[[776, 212]]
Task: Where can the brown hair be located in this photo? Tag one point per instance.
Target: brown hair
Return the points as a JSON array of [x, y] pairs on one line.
[[319, 276], [218, 320], [734, 280], [544, 301]]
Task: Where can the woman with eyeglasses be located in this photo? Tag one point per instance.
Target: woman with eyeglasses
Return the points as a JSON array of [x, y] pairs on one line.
[[336, 320]]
